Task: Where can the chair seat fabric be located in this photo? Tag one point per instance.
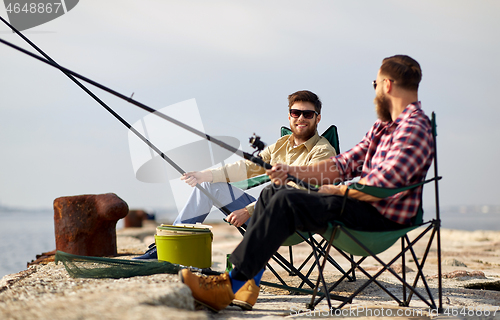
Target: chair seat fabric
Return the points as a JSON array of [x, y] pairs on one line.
[[251, 182], [295, 239], [376, 241]]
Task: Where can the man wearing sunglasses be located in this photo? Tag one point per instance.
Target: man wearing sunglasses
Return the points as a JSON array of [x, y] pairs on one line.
[[303, 147], [397, 151]]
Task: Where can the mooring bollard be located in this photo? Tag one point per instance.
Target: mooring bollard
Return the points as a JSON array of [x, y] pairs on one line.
[[134, 218], [86, 224]]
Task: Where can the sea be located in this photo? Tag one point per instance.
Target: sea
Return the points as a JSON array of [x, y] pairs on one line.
[[26, 233]]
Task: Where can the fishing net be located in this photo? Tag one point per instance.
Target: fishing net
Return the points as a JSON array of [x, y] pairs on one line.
[[98, 267]]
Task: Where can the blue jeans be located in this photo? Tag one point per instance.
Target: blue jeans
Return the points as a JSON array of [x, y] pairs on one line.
[[199, 205]]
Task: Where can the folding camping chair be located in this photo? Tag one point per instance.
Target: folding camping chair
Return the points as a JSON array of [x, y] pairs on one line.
[[366, 244], [331, 134]]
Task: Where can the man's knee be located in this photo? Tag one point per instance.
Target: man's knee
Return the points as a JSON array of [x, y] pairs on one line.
[[272, 189], [285, 197], [206, 185], [214, 188]]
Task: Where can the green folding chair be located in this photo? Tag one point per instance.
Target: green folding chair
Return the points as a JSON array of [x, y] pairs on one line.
[[369, 244], [331, 134]]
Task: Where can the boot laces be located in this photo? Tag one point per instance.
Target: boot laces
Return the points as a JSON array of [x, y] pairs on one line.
[[212, 281]]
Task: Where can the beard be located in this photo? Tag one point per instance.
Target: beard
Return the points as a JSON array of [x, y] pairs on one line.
[[382, 107], [305, 135]]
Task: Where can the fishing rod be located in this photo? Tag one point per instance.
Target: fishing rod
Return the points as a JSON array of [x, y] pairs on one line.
[[117, 116], [218, 142]]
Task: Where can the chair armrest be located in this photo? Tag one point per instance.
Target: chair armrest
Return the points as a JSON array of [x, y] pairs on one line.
[[380, 192], [251, 183]]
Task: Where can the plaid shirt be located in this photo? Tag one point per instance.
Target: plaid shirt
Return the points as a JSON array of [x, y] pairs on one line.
[[392, 155]]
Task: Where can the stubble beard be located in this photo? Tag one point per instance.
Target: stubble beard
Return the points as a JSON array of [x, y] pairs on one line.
[[311, 130]]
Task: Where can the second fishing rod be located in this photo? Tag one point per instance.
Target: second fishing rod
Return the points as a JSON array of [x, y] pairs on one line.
[[217, 203], [220, 143]]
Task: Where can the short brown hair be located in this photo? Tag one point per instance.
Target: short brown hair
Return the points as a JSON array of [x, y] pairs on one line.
[[405, 71], [306, 96]]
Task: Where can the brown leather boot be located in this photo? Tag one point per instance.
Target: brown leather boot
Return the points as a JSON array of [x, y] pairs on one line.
[[247, 296], [213, 292]]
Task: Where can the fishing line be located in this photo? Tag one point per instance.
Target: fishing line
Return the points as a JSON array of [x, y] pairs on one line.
[[220, 143], [117, 116]]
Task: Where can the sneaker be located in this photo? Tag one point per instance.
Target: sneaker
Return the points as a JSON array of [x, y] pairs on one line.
[[151, 254], [213, 292], [247, 296]]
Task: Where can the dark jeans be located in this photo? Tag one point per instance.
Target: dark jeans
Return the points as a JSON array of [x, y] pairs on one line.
[[281, 210]]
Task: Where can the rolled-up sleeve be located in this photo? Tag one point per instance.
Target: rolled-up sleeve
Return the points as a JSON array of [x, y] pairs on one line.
[[240, 170]]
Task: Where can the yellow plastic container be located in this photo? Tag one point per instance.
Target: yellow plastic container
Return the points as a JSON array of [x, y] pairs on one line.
[[189, 245]]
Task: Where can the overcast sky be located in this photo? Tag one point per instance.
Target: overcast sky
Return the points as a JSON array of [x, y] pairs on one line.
[[239, 60]]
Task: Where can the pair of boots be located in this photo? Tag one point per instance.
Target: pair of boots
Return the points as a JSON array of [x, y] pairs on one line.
[[245, 297], [216, 293]]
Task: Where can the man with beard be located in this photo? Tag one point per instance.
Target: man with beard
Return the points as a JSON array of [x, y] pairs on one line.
[[397, 151], [303, 147]]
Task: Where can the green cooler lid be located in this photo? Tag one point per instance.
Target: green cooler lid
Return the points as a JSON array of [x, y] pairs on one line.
[[183, 229]]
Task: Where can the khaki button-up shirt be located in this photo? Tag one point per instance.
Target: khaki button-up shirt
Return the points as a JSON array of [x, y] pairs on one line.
[[283, 151]]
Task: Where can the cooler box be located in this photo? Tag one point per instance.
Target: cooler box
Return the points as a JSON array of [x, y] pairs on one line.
[[187, 244]]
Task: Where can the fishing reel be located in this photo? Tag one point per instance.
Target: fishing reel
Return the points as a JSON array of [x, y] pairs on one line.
[[257, 144]]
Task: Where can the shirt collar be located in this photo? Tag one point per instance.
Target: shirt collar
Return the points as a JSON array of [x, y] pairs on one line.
[[405, 114], [408, 111], [309, 144]]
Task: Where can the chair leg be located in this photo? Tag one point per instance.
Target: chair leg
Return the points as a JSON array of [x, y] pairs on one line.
[[387, 267], [288, 267], [279, 258], [438, 242], [321, 250], [368, 282], [353, 270], [420, 270], [311, 255], [403, 266], [291, 273], [285, 267], [270, 268], [306, 260], [320, 273], [354, 265], [421, 266]]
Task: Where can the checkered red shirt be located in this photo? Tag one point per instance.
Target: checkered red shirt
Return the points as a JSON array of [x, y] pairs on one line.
[[392, 155]]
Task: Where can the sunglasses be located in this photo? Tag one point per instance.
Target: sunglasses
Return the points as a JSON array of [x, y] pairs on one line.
[[374, 82], [308, 114]]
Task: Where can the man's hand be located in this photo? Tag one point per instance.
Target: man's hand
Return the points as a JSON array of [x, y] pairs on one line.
[[278, 173], [194, 177], [238, 217], [332, 189]]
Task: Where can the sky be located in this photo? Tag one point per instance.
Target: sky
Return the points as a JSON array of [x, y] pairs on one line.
[[239, 60]]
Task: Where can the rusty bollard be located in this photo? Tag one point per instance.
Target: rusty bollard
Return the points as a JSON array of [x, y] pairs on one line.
[[86, 224], [134, 218]]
